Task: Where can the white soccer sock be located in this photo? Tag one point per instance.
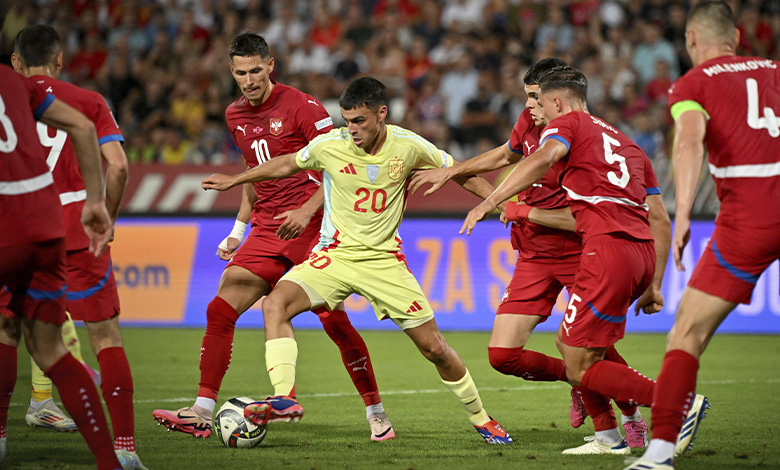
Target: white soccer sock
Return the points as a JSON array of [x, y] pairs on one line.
[[374, 409], [636, 417], [206, 403], [659, 451], [610, 436]]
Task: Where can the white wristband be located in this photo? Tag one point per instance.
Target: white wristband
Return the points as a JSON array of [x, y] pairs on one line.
[[238, 233]]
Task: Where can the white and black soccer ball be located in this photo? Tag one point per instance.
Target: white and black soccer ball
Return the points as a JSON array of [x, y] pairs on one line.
[[232, 429]]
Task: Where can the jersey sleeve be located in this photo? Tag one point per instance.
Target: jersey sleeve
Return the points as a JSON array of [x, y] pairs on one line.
[[518, 133], [431, 157], [107, 128], [312, 118], [684, 95], [40, 100], [651, 181], [308, 158], [561, 129]]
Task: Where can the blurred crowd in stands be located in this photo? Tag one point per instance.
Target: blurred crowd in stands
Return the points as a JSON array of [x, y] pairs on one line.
[[453, 67]]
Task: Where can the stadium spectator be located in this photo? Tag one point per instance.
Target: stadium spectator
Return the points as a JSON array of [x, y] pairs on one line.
[[743, 160], [555, 30], [457, 87], [651, 49]]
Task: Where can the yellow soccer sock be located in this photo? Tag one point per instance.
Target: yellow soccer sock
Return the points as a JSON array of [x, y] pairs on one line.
[[41, 385], [281, 355], [71, 339], [466, 391]]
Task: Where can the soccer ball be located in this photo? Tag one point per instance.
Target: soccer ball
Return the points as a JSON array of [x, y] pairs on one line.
[[232, 429]]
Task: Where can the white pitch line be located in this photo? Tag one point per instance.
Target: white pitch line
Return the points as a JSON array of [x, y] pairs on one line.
[[530, 386]]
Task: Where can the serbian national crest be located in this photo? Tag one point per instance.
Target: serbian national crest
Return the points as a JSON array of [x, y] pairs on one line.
[[276, 126], [396, 168]]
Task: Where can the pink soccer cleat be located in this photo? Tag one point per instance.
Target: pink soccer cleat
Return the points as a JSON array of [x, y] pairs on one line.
[[184, 420], [577, 412]]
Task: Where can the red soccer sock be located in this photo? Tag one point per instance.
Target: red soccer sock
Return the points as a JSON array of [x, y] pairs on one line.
[[530, 365], [612, 355], [82, 402], [600, 410], [7, 382], [217, 347], [619, 382], [117, 388], [674, 394], [354, 354]]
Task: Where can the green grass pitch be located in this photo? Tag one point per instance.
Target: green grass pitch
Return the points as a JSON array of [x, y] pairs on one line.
[[740, 375]]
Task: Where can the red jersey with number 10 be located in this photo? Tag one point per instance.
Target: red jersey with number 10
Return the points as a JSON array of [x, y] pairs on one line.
[[741, 96], [61, 157], [286, 122], [29, 211], [529, 239], [603, 176]]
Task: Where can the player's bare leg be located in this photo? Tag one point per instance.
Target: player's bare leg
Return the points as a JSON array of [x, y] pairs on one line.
[[456, 377], [238, 290], [698, 316]]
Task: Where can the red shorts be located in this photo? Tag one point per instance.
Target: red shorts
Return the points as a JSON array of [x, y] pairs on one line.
[[733, 261], [92, 294], [35, 276], [253, 255], [613, 273], [535, 285]]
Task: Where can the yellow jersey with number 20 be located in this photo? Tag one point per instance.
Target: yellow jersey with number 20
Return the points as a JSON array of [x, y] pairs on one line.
[[365, 195]]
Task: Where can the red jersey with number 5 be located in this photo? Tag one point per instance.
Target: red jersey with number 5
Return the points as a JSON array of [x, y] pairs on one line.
[[287, 121], [529, 239], [603, 176], [29, 211], [741, 96], [61, 157]]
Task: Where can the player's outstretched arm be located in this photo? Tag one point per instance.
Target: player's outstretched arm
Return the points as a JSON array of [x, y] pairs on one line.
[[494, 159], [94, 217], [652, 300], [298, 219], [561, 219], [526, 173], [230, 244], [687, 161], [278, 167]]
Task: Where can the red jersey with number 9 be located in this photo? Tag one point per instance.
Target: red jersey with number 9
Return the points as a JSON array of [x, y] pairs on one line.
[[61, 157], [29, 210], [603, 175], [286, 122]]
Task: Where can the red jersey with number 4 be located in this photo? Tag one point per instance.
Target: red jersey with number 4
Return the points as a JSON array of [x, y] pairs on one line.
[[741, 96], [284, 124], [529, 239], [29, 211], [603, 176], [61, 157]]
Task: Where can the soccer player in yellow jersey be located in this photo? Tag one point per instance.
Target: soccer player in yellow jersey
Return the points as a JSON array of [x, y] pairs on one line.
[[365, 168]]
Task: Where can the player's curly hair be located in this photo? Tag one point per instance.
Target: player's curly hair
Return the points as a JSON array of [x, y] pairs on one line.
[[364, 91], [247, 45]]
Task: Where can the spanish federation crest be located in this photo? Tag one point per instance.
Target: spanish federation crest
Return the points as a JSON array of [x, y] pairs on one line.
[[276, 126], [395, 168], [373, 172]]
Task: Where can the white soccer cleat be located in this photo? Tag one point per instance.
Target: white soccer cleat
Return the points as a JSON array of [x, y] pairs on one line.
[[643, 464], [49, 415], [691, 424], [129, 460], [2, 451], [381, 428], [596, 446]]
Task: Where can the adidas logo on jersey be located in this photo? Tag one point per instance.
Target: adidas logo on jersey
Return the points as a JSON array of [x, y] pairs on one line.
[[349, 169], [415, 307]]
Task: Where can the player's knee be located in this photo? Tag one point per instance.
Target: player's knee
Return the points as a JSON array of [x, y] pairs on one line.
[[505, 360], [220, 317]]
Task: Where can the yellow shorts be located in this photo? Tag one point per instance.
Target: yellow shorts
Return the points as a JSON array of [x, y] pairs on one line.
[[383, 279]]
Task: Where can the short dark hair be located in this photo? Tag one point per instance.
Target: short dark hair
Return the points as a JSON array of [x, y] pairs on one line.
[[716, 15], [364, 91], [541, 68], [37, 45], [572, 80], [247, 45]]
